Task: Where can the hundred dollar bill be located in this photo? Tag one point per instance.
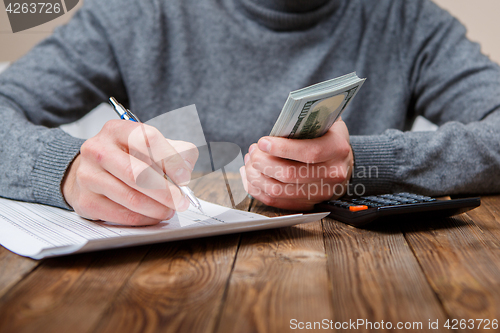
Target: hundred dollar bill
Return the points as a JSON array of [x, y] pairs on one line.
[[309, 112]]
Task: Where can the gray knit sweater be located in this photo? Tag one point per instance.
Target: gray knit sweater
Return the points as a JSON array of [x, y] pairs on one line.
[[237, 60]]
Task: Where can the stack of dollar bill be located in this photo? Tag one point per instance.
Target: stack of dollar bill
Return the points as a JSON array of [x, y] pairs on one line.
[[309, 112]]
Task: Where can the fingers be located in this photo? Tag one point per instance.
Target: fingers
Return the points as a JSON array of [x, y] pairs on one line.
[[126, 196], [147, 144], [119, 175], [335, 142], [135, 174], [296, 174], [148, 141], [288, 171], [285, 203], [99, 207], [188, 151], [259, 183]]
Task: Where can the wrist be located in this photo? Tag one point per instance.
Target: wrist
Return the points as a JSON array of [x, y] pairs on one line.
[[50, 167], [68, 181], [374, 164]]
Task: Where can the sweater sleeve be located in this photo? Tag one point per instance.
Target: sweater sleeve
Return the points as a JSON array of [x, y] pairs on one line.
[[451, 83], [57, 82]]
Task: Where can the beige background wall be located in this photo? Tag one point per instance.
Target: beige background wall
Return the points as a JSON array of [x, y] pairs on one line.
[[12, 46], [482, 22], [480, 17]]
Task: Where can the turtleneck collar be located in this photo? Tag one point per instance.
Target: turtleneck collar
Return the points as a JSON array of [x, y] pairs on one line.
[[288, 15]]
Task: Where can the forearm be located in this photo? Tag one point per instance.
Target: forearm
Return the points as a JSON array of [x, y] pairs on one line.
[[33, 159], [451, 83], [457, 158], [59, 81]]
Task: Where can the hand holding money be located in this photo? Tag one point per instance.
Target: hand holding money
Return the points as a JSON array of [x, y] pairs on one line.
[[297, 174], [307, 158]]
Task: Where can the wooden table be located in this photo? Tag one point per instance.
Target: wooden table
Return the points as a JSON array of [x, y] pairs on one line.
[[268, 281]]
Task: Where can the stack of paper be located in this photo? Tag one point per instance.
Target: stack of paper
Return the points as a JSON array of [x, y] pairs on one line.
[[39, 231]]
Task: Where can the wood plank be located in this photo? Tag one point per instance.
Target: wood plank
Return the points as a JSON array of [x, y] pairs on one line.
[[279, 275], [54, 297], [487, 216], [461, 262], [68, 294], [180, 286], [375, 277], [212, 188], [13, 269]]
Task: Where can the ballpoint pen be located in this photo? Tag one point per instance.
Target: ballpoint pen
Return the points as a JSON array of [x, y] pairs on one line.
[[126, 114]]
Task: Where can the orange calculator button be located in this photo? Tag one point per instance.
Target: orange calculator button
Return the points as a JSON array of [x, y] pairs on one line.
[[357, 208]]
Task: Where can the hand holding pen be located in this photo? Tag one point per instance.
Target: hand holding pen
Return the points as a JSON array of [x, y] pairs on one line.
[[115, 177], [125, 114]]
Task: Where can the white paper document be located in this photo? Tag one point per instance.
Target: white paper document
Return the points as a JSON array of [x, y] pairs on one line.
[[39, 231]]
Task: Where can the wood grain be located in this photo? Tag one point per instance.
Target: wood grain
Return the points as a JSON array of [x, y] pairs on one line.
[[68, 294], [487, 216], [212, 188], [73, 293], [279, 275], [180, 286], [461, 262], [13, 269], [375, 277], [258, 282]]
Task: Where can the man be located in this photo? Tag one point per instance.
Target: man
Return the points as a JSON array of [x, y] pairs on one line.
[[237, 60]]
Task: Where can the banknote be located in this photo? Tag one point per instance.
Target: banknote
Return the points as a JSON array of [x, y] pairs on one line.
[[309, 112]]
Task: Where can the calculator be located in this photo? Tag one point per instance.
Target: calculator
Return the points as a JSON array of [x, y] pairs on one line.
[[359, 211]]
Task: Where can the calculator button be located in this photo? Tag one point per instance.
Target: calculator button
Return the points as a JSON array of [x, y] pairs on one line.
[[343, 204], [390, 196], [406, 194], [409, 195], [358, 208], [406, 200], [360, 201], [409, 201]]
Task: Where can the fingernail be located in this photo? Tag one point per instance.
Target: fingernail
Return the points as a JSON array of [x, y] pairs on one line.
[[182, 176], [251, 149], [190, 166], [183, 205], [265, 145], [244, 178], [247, 158], [187, 202], [170, 215]]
